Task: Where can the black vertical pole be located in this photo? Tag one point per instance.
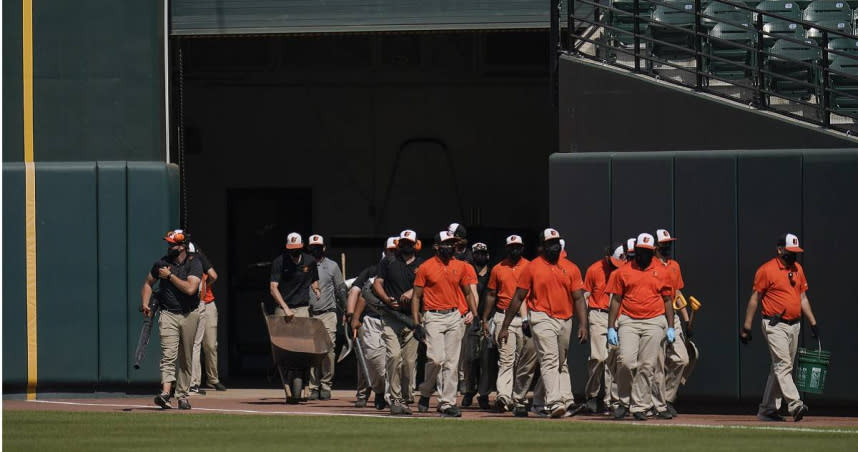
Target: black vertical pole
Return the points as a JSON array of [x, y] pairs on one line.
[[758, 64], [698, 48], [637, 28], [570, 24], [554, 48], [826, 98]]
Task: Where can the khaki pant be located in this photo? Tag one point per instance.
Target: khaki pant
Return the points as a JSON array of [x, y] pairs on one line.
[[177, 343], [516, 361], [303, 311], [551, 337], [370, 337], [206, 341], [443, 346], [401, 357], [667, 378], [322, 376], [598, 370], [783, 344], [641, 353]]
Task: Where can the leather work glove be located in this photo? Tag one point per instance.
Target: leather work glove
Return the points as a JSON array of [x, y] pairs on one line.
[[613, 339], [814, 331], [745, 335], [419, 333], [671, 335], [525, 328]]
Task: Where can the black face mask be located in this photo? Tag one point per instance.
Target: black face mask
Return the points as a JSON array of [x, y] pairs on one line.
[[481, 259], [665, 251], [514, 253], [173, 253], [552, 252], [789, 258], [317, 252], [295, 253], [406, 249], [445, 252], [643, 258]]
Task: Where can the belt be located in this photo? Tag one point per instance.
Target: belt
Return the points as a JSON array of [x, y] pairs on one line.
[[443, 311], [780, 320], [600, 310], [323, 312], [503, 311]]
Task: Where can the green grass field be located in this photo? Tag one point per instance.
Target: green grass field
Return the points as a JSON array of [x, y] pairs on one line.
[[49, 430]]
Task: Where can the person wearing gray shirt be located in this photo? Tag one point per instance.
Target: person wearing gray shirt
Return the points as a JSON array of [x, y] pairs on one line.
[[332, 294]]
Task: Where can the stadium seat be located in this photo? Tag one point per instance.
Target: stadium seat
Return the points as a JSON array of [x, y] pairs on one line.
[[787, 9], [673, 25], [830, 14], [624, 21], [797, 61], [718, 12], [843, 82], [731, 43], [773, 31]]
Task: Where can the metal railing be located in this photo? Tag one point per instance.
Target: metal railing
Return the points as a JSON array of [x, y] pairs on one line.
[[772, 70]]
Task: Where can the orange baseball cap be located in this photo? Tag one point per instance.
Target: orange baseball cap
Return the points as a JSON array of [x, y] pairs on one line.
[[617, 256], [294, 241], [177, 236]]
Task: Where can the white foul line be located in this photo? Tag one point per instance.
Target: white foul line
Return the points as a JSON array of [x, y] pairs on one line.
[[382, 416]]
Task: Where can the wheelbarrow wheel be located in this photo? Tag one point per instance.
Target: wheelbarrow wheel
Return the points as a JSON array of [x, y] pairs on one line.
[[297, 385]]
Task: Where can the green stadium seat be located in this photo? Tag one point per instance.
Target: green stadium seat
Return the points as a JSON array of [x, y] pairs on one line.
[[731, 43], [830, 14], [775, 28], [624, 21], [719, 12], [673, 23], [843, 81], [798, 61], [787, 9]]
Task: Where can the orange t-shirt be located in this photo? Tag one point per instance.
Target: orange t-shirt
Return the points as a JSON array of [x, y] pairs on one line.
[[672, 275], [504, 280], [442, 283], [595, 281], [778, 294], [551, 286], [208, 295], [641, 290]]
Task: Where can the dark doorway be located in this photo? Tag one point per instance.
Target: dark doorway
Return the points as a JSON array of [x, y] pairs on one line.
[[259, 220]]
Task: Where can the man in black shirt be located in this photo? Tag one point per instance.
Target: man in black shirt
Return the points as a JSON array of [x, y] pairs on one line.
[[293, 274], [394, 286], [178, 295], [474, 368]]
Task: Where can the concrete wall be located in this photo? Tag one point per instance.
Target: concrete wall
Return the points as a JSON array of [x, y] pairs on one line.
[[727, 209]]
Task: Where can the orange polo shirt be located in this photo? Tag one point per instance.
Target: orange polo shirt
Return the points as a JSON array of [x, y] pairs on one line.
[[778, 294], [641, 290], [442, 283], [672, 275], [595, 281], [504, 280], [551, 286]]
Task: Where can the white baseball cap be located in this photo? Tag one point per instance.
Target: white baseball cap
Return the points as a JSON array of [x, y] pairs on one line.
[[192, 248], [317, 239], [408, 234], [617, 256], [514, 240], [790, 243], [563, 244], [550, 234], [630, 245], [645, 241], [479, 246], [445, 235], [391, 243], [664, 236], [294, 241]]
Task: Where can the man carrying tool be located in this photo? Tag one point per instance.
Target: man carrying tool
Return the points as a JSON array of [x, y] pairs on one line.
[[598, 304], [178, 296], [668, 377], [475, 366], [444, 291], [324, 306], [642, 308], [516, 355], [368, 328], [293, 274], [555, 288], [394, 287], [781, 286]]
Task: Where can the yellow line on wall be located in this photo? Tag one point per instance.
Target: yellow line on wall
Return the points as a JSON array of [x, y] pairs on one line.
[[32, 322]]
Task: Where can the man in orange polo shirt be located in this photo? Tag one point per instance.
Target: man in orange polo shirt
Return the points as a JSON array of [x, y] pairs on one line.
[[598, 304], [782, 287], [552, 285], [517, 355], [642, 308], [441, 286]]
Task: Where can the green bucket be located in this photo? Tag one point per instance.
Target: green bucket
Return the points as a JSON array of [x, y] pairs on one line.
[[812, 370]]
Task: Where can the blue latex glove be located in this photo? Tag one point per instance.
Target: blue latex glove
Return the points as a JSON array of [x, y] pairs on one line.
[[671, 335], [613, 339]]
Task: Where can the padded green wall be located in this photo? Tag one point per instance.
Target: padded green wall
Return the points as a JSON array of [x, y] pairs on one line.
[[727, 208], [99, 228]]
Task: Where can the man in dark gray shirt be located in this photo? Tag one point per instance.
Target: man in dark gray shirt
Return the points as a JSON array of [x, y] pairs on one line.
[[323, 306]]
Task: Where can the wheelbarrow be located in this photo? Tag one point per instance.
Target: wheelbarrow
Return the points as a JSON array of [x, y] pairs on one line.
[[297, 345]]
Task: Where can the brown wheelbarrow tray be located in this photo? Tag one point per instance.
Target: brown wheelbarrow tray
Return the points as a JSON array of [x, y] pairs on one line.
[[297, 345]]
